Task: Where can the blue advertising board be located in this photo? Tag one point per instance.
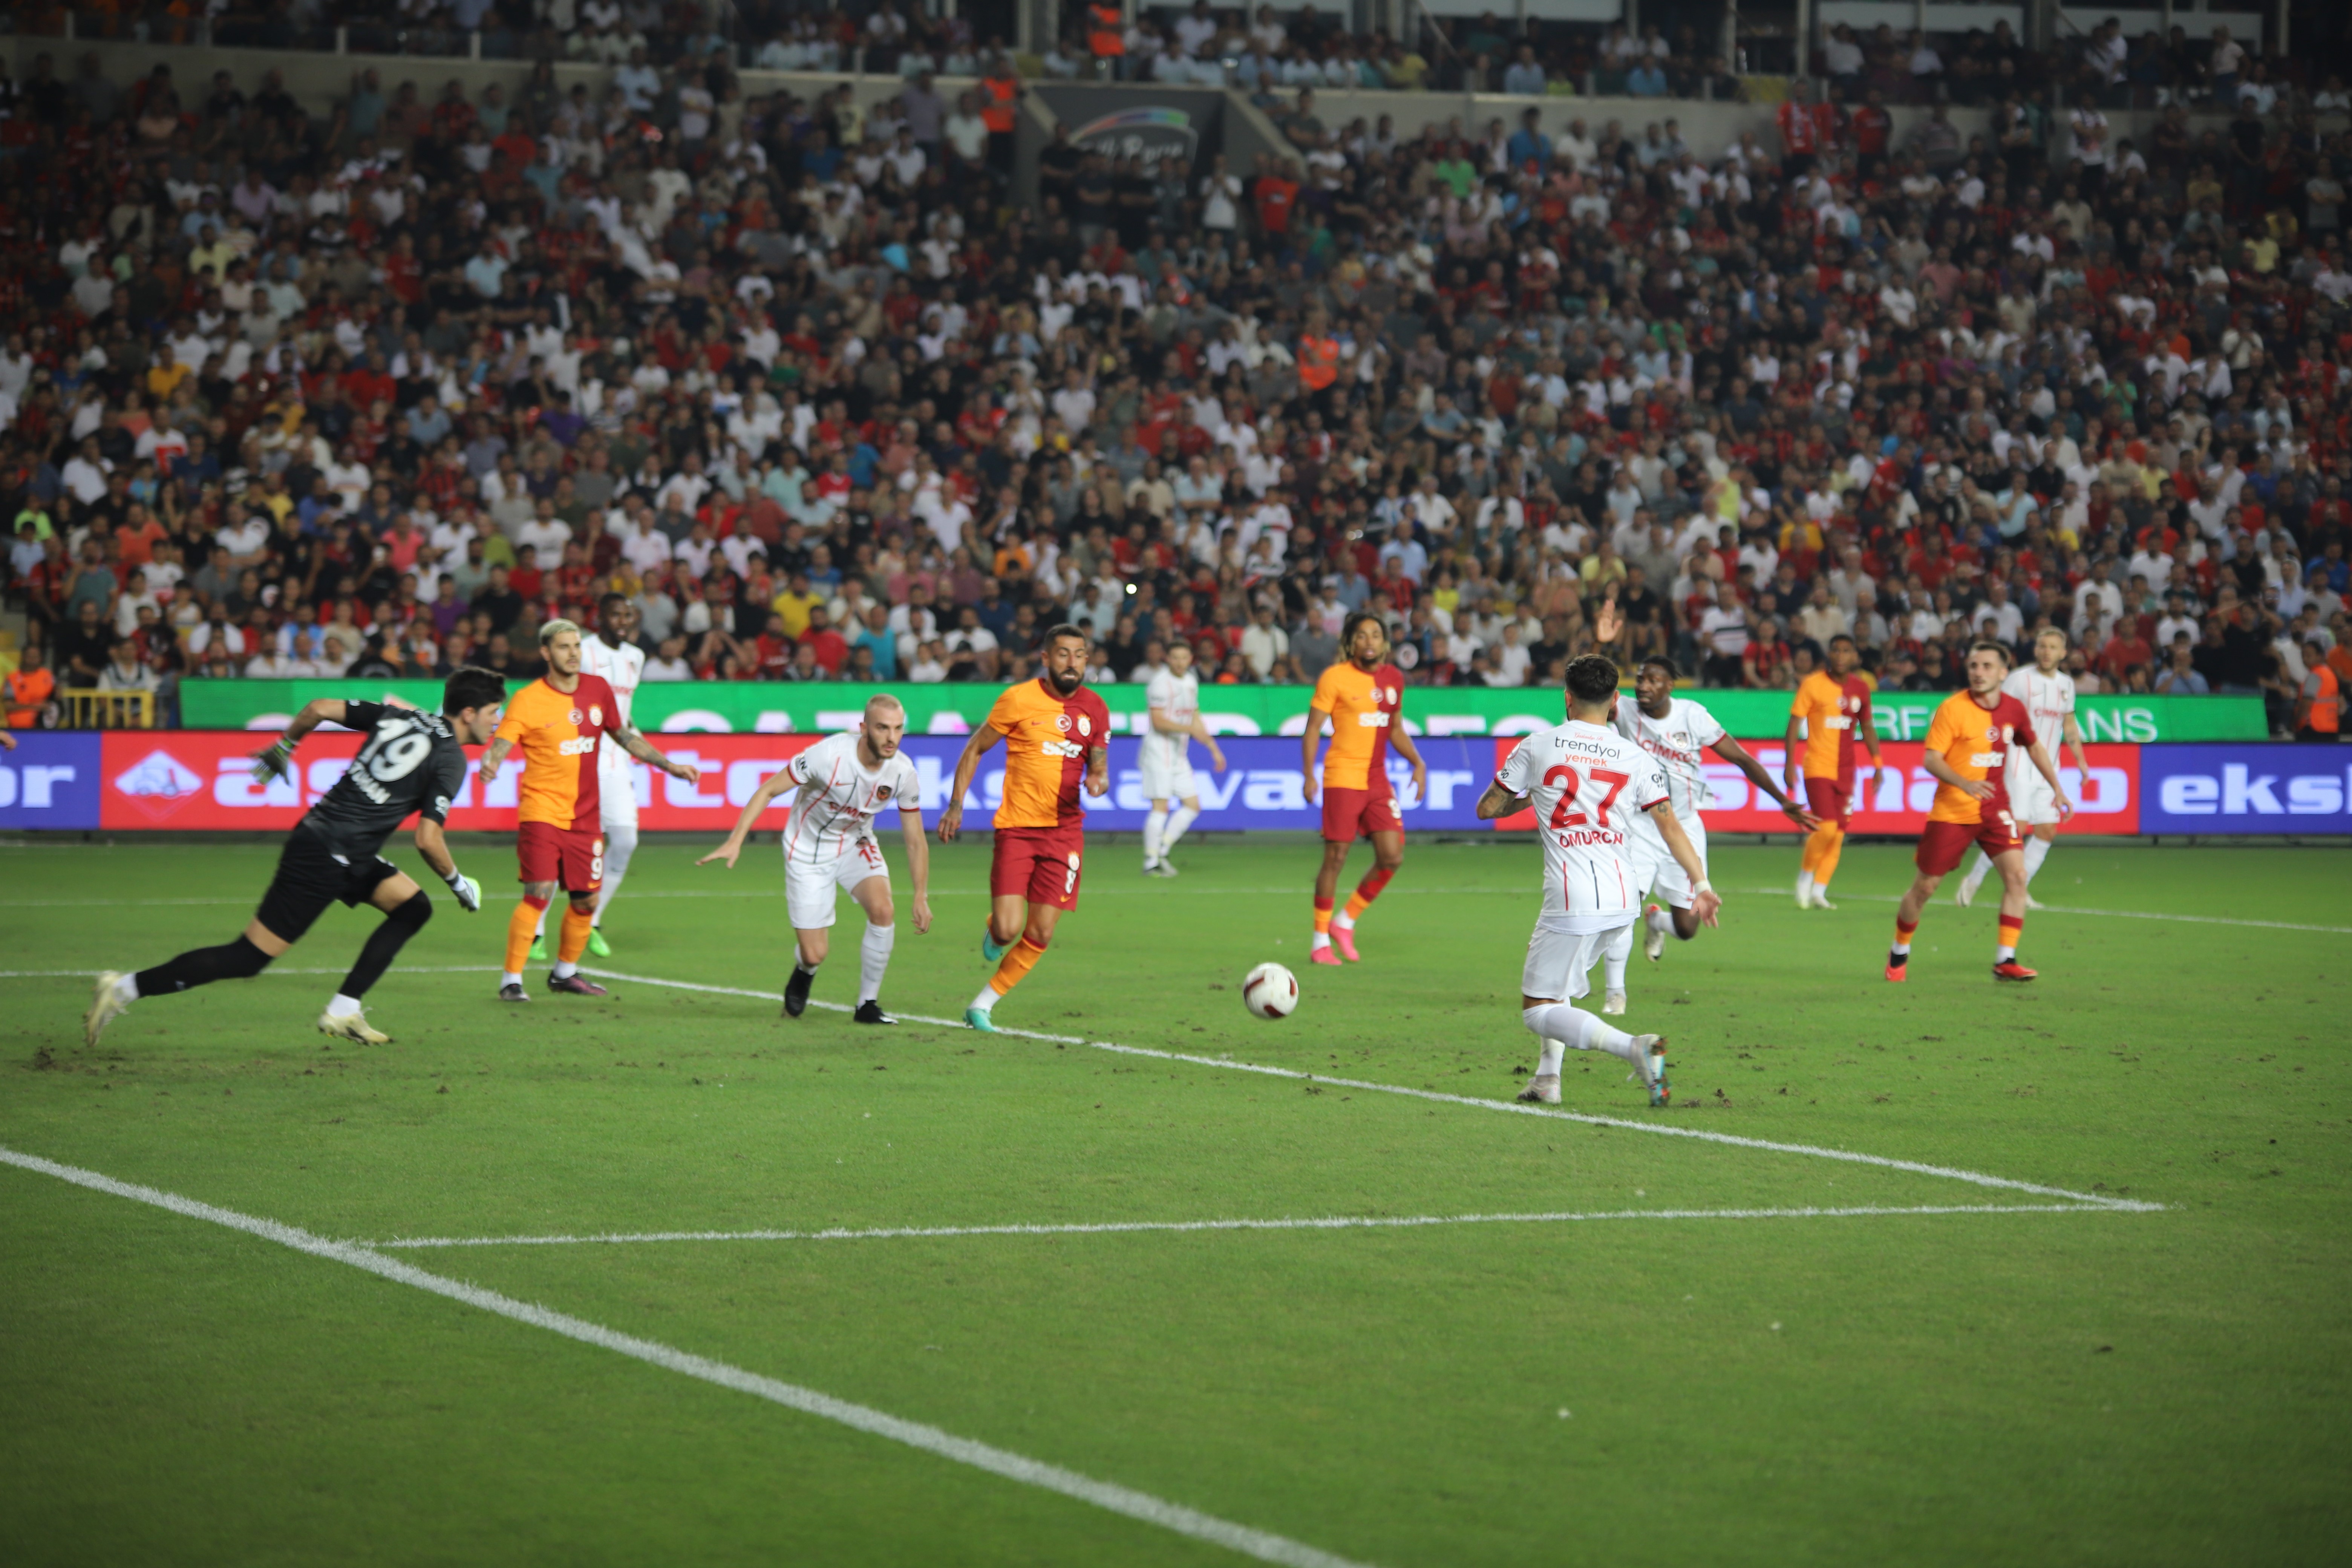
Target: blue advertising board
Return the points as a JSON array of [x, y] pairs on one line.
[[2245, 789], [51, 780]]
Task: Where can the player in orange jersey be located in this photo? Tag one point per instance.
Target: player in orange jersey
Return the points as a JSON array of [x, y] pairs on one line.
[[1968, 743], [1362, 697], [1056, 736], [560, 721], [1831, 708]]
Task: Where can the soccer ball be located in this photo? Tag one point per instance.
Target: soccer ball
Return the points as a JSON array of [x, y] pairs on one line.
[[1270, 992]]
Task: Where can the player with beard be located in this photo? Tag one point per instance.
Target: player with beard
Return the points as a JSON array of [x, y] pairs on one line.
[[411, 762], [1056, 736], [1362, 698]]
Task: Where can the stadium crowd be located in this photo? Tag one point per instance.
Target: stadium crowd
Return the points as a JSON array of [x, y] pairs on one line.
[[379, 392]]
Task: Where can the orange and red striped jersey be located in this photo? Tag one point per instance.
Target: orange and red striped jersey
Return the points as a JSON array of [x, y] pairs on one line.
[[1364, 704], [1835, 713], [557, 733], [1046, 738], [1974, 741]]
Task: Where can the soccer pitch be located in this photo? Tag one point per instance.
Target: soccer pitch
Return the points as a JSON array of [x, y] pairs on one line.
[[2083, 1300]]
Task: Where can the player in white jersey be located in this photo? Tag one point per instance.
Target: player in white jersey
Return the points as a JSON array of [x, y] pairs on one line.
[[1173, 699], [1588, 784], [2048, 693], [621, 664], [846, 782], [1678, 733]]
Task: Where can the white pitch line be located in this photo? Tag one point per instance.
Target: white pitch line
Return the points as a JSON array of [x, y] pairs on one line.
[[2110, 914], [1261, 1545], [1121, 1227], [1511, 1107]]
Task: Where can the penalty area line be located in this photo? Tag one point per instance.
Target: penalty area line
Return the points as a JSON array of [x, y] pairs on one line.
[[1261, 1545], [1508, 1107], [1122, 1228], [2103, 914]]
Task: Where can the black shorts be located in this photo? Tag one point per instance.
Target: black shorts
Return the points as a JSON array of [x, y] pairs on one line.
[[310, 877]]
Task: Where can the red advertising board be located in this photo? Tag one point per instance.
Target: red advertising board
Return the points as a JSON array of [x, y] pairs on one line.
[[1897, 799], [202, 779]]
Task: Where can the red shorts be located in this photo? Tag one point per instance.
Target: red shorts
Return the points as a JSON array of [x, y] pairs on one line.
[[1039, 864], [1351, 814], [570, 857], [1828, 799], [1944, 844]]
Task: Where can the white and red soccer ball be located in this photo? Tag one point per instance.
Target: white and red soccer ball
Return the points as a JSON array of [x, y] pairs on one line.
[[1270, 992]]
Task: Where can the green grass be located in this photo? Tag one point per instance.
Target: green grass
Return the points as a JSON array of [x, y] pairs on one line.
[[2094, 1387]]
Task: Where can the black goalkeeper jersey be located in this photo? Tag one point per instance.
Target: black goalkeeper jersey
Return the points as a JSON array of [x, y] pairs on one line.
[[411, 762]]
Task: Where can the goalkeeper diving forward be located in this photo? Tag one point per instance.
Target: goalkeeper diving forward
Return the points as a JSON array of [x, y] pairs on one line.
[[411, 762]]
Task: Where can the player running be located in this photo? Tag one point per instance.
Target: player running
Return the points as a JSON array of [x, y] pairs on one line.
[[411, 762], [1677, 732], [1831, 708], [1174, 700], [1056, 737], [2048, 693], [1968, 746], [1360, 697], [560, 721], [621, 664], [844, 780], [1587, 783]]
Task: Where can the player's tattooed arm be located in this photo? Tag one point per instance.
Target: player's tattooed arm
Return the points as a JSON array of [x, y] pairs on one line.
[[918, 865], [637, 747], [1740, 757], [276, 761], [1705, 901], [493, 760], [951, 819], [1097, 779], [1498, 801]]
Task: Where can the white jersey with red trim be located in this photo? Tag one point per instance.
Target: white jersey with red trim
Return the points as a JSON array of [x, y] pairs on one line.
[[1588, 784], [839, 798], [1679, 742]]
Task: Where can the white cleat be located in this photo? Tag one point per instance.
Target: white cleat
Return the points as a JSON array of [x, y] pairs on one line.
[[106, 1005], [353, 1027], [1822, 898], [1542, 1089], [2032, 902], [1653, 941], [1964, 895], [1164, 870], [1613, 1003], [1650, 1067], [1804, 894]]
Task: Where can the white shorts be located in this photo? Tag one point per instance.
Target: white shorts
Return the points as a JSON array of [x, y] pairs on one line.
[[1559, 962], [2031, 802], [1658, 871], [809, 889], [1166, 777], [616, 795]]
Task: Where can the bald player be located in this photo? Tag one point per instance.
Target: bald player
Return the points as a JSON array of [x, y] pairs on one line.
[[560, 722], [1056, 736], [1361, 698]]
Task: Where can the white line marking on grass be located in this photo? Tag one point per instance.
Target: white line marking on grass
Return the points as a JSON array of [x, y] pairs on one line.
[[1510, 1106], [1258, 1543], [1120, 1227], [2066, 910]]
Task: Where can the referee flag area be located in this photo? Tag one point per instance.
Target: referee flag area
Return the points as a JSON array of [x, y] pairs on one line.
[[1904, 1273]]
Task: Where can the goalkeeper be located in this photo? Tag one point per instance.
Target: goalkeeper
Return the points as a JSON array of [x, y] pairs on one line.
[[411, 762]]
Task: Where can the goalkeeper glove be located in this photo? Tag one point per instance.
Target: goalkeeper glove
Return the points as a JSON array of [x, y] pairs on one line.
[[275, 763], [469, 891]]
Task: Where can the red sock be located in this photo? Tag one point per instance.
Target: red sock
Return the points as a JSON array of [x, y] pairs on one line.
[[1375, 880]]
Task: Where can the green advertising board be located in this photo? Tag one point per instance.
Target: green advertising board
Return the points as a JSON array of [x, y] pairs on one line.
[[727, 706]]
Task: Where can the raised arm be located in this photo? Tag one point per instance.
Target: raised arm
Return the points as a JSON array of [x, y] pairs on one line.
[[276, 761], [1740, 757]]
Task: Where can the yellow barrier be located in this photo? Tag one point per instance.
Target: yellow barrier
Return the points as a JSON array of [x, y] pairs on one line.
[[109, 710]]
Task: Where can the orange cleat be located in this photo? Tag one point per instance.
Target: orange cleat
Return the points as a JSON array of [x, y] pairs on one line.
[[1898, 972], [2012, 969], [1345, 940], [1324, 955]]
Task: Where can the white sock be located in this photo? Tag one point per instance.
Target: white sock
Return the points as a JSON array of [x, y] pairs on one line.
[[1342, 920], [1975, 878], [1155, 825], [2037, 850], [1578, 1029], [509, 978], [1805, 886], [126, 989], [802, 966], [1613, 957], [2004, 953], [1548, 1064], [564, 968], [620, 843], [1182, 818], [343, 1007], [986, 1000], [1322, 938], [873, 958]]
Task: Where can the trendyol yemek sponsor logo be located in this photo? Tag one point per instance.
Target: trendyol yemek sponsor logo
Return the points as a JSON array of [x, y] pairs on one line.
[[2246, 789]]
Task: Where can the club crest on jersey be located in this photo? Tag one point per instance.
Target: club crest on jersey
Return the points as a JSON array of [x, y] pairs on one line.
[[1062, 723], [882, 794], [596, 714], [1085, 725]]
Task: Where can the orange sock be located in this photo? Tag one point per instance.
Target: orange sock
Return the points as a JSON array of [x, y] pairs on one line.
[[2010, 929], [1903, 933], [1323, 917], [1812, 856], [519, 927], [1015, 966], [1825, 862], [573, 940]]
